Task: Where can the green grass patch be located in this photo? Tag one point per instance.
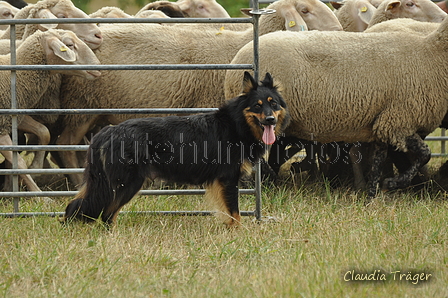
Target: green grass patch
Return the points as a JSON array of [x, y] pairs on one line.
[[311, 236]]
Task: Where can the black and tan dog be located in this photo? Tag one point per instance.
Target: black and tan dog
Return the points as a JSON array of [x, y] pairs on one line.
[[209, 149]]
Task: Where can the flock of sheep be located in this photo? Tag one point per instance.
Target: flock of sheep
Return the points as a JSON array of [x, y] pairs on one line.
[[382, 84]]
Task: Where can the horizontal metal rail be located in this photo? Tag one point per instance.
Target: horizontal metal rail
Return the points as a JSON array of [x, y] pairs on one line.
[[128, 67], [179, 213], [124, 20], [42, 171], [46, 147], [105, 111], [149, 192], [436, 138]]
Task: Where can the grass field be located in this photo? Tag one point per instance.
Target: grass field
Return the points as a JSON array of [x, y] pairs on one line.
[[312, 243]]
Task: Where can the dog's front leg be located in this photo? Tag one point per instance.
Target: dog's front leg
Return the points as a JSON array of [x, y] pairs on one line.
[[223, 194]]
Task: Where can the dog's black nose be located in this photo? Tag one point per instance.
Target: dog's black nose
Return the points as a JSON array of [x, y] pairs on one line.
[[270, 120]]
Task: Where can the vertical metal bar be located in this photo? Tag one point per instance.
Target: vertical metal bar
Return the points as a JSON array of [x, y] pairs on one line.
[[442, 143], [256, 17], [15, 162]]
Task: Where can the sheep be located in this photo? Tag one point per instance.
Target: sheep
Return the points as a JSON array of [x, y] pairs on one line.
[[55, 46], [354, 15], [324, 79], [404, 25], [109, 12], [186, 8], [420, 10], [165, 45], [172, 9], [358, 15], [88, 32], [202, 9], [152, 14], [7, 11]]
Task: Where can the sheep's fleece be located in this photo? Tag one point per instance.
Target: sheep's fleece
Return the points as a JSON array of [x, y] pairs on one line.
[[347, 86]]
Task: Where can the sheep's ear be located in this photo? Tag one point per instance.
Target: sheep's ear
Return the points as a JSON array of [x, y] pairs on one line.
[[46, 14], [246, 11], [392, 5], [365, 14], [268, 81], [61, 50], [293, 20], [249, 83], [184, 5]]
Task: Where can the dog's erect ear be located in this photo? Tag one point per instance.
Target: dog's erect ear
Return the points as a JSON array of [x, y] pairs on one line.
[[249, 83], [268, 81]]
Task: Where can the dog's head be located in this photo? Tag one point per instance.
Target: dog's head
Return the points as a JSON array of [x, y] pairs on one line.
[[266, 112]]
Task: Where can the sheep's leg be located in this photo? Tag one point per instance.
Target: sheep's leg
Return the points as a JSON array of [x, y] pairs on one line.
[[30, 125], [29, 182], [358, 172], [420, 154], [71, 136], [309, 163], [379, 157], [279, 154]]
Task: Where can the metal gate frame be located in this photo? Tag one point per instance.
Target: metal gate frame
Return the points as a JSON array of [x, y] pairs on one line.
[[14, 111]]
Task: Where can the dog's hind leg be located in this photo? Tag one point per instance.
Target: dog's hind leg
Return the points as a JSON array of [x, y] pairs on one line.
[[223, 194], [124, 189]]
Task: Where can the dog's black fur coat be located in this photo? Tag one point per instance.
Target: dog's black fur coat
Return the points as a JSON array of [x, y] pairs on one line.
[[207, 149]]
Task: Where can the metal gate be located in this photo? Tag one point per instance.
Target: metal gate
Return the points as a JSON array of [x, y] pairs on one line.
[[14, 111]]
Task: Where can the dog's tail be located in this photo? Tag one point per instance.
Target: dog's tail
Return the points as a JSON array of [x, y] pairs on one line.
[[95, 197]]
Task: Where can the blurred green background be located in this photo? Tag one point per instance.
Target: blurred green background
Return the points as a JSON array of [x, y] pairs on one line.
[[132, 6]]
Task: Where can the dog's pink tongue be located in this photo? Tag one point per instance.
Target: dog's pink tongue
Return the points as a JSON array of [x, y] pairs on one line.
[[268, 135]]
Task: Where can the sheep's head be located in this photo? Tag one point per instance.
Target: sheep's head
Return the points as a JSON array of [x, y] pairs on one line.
[[61, 9], [202, 9], [65, 48], [299, 15], [170, 9], [7, 11], [419, 10]]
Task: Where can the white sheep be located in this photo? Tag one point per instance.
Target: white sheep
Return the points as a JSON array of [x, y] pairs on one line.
[[52, 9], [167, 88], [53, 47], [109, 12], [357, 15], [172, 10], [391, 15], [352, 87], [354, 15], [7, 11], [156, 14], [420, 10], [88, 32], [202, 9], [404, 25]]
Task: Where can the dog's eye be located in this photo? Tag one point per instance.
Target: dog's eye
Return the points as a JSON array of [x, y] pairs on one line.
[[257, 107], [273, 104]]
